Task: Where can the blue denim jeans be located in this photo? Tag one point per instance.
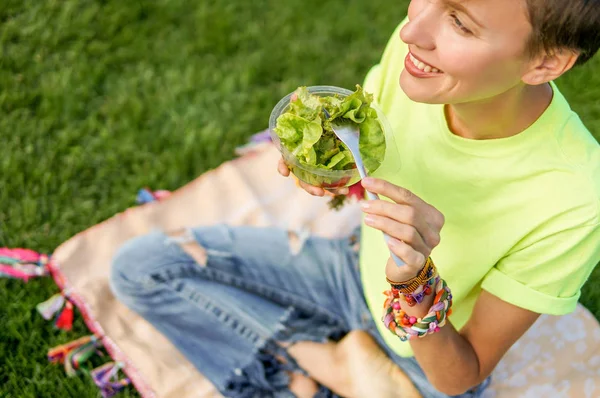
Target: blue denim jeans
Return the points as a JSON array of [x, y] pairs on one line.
[[232, 316]]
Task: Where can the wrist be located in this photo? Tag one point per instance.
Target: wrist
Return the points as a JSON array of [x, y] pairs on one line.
[[419, 302], [419, 306], [407, 327], [420, 310], [395, 273], [413, 283]]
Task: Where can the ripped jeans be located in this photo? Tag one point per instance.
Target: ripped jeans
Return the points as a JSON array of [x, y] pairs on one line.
[[232, 315]]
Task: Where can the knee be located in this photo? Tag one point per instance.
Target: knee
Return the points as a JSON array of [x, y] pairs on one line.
[[132, 264]]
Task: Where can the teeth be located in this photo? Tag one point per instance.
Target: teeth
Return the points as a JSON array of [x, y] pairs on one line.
[[423, 66]]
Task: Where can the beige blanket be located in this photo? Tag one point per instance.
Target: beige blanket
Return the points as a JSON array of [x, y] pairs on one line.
[[558, 357]]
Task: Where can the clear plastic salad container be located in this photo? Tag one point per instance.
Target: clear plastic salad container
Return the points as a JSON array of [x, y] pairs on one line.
[[315, 176]]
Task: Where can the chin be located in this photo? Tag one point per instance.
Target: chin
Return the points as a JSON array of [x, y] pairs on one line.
[[416, 92]]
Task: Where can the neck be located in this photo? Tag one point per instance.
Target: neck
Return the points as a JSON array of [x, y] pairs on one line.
[[502, 116]]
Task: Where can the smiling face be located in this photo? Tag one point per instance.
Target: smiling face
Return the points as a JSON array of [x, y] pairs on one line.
[[464, 50]]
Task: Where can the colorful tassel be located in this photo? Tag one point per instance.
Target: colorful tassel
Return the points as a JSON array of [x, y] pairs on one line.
[[145, 195], [22, 263], [76, 357], [106, 379], [65, 320], [51, 306], [59, 353], [24, 255], [8, 260], [73, 354], [161, 194], [10, 272]]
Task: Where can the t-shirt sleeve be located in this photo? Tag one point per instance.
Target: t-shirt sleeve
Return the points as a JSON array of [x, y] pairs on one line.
[[546, 276]]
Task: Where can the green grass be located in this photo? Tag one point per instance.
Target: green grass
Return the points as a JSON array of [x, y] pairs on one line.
[[100, 98]]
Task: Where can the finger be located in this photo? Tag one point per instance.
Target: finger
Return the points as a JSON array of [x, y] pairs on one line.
[[282, 168], [413, 258], [339, 191], [329, 192], [406, 233], [406, 215], [397, 194], [414, 262], [311, 189], [404, 196]]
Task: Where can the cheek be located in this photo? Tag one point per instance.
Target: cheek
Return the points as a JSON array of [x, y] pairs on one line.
[[479, 67]]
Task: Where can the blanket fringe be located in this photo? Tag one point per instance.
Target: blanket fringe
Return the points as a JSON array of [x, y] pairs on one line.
[[22, 264], [26, 264], [65, 320], [50, 307], [145, 195], [106, 378], [74, 353]]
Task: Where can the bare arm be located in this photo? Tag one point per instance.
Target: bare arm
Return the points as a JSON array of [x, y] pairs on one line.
[[457, 361], [454, 361]]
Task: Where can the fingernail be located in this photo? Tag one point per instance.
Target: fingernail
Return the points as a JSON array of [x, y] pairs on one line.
[[365, 205], [367, 181], [369, 220]]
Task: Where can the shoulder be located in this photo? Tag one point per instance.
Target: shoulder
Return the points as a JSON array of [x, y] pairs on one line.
[[577, 157]]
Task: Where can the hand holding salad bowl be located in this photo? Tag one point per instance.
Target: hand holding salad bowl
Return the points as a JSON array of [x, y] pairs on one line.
[[300, 125]]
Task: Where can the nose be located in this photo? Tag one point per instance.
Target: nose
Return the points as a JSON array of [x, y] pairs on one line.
[[421, 28]]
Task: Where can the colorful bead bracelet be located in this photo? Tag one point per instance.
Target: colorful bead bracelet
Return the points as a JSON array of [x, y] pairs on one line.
[[419, 295], [409, 327], [411, 285]]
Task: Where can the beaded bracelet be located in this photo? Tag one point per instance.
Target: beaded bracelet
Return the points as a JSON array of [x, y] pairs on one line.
[[409, 327], [411, 285], [419, 295]]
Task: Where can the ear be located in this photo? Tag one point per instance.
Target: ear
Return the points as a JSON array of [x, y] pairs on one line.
[[549, 67]]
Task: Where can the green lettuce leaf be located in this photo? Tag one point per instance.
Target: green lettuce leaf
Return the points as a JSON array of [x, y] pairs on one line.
[[371, 143], [307, 135]]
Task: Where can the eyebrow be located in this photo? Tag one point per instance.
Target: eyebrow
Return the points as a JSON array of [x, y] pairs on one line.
[[461, 8]]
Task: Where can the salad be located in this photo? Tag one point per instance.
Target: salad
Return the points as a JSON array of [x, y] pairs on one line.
[[306, 135]]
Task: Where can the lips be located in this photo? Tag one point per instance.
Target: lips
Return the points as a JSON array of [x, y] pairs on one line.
[[422, 65], [413, 70]]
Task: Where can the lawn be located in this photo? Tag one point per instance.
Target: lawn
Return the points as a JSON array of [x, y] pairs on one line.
[[100, 98]]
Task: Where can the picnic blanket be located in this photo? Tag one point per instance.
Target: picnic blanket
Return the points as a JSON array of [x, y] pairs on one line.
[[558, 356]]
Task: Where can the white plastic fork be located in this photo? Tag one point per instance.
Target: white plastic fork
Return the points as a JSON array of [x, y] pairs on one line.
[[349, 136]]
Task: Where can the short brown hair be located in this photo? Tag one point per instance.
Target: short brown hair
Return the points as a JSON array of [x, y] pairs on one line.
[[565, 24]]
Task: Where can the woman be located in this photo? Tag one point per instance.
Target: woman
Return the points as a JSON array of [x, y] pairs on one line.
[[496, 181]]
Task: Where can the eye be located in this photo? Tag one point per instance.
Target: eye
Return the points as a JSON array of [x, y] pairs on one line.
[[459, 24]]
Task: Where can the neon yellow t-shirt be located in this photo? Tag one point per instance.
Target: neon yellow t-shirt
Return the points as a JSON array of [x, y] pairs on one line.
[[522, 213]]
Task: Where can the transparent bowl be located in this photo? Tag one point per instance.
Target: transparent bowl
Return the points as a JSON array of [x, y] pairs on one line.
[[319, 177]]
